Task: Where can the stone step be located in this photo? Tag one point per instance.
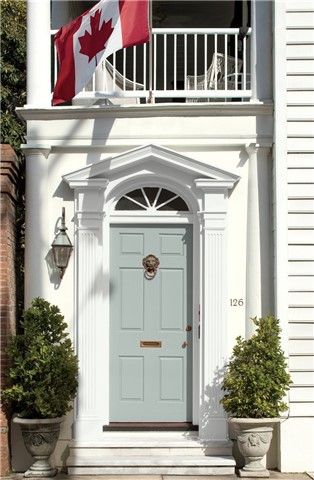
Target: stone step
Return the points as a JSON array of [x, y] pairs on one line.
[[154, 464], [154, 443], [159, 451], [150, 445]]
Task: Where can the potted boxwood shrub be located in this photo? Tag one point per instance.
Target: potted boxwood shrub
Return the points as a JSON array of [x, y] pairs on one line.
[[42, 381], [255, 382]]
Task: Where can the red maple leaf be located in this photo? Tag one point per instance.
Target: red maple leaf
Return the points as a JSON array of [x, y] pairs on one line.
[[94, 42]]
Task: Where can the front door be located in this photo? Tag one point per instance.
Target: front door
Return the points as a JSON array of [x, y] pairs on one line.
[[150, 325]]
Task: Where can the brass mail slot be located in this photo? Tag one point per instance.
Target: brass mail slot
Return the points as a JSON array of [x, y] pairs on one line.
[[150, 344]]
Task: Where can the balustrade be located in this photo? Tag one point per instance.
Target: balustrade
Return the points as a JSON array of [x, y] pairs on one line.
[[180, 64]]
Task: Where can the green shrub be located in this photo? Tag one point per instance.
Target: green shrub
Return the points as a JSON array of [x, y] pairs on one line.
[[43, 368], [256, 377]]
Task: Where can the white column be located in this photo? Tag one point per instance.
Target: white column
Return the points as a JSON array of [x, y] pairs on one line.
[[253, 52], [37, 235], [38, 53], [213, 314], [91, 311], [259, 230]]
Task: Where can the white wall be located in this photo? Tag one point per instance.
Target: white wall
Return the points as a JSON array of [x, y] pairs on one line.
[[297, 159], [217, 139]]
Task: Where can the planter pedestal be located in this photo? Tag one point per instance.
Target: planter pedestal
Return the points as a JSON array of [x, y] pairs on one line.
[[253, 439], [40, 437]]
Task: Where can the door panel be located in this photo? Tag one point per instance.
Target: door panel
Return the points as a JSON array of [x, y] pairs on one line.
[[132, 287], [172, 299], [150, 383]]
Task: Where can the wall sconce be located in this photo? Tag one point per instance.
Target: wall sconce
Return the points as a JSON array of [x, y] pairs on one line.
[[62, 247]]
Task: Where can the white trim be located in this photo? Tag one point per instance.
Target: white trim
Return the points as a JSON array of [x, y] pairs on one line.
[[120, 111], [280, 171], [280, 211], [165, 219]]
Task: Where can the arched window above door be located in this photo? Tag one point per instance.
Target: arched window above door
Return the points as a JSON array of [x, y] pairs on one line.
[[153, 199]]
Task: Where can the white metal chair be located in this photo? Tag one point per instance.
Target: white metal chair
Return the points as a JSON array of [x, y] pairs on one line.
[[114, 81], [215, 77]]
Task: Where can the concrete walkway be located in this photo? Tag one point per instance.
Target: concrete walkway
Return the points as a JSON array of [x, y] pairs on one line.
[[273, 475]]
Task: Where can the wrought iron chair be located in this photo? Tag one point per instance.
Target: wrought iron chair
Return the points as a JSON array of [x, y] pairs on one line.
[[116, 81], [215, 77]]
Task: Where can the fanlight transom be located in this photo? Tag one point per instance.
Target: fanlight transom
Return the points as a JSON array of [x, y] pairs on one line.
[[150, 199]]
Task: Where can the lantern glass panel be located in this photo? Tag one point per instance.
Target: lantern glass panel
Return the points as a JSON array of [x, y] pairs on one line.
[[61, 255]]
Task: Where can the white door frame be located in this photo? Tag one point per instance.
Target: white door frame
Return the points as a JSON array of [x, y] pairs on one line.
[[96, 189]]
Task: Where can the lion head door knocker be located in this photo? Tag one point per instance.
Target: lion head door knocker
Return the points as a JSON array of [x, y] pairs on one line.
[[150, 264]]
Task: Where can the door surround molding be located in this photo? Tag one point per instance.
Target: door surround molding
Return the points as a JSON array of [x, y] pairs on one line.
[[96, 190]]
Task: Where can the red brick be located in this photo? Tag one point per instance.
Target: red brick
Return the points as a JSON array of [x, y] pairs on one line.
[[8, 177]]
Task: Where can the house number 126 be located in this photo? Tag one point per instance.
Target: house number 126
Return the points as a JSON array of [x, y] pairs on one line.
[[236, 302]]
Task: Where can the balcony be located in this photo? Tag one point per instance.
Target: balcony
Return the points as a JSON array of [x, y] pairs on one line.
[[179, 65]]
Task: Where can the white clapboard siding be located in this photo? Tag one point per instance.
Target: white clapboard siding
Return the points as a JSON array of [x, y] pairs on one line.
[[304, 65], [300, 112], [304, 175], [300, 313], [301, 220], [300, 128], [300, 144], [300, 35], [301, 237], [301, 5], [301, 252], [299, 394], [299, 81], [301, 268], [300, 50], [300, 19], [301, 362], [301, 205], [302, 330], [301, 160], [293, 35], [302, 299], [300, 96], [301, 283], [302, 409], [300, 191], [302, 377]]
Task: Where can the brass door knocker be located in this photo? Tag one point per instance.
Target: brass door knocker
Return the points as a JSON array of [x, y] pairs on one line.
[[150, 264]]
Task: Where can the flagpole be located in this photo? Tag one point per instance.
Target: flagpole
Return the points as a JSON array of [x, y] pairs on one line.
[[150, 52]]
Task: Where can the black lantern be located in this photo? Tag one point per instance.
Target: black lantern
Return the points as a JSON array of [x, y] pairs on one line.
[[62, 247]]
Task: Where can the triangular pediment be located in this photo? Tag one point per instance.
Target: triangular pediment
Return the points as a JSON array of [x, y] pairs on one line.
[[105, 168]]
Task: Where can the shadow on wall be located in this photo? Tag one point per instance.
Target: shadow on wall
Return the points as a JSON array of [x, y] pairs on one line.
[[210, 407]]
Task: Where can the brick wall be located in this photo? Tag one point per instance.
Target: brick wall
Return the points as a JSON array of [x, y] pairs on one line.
[[8, 175]]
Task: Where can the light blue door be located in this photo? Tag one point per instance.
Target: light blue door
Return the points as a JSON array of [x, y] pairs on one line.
[[150, 325]]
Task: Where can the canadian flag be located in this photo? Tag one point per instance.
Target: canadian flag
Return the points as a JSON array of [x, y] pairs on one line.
[[82, 44]]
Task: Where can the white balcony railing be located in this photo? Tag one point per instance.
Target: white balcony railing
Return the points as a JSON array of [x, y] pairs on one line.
[[181, 64]]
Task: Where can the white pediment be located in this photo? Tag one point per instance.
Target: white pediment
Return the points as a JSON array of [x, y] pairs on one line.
[[102, 170]]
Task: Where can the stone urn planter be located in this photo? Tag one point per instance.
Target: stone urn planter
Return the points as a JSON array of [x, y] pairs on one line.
[[253, 437], [40, 438], [43, 380]]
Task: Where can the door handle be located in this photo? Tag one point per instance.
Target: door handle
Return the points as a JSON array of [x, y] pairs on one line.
[[184, 344], [188, 328]]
